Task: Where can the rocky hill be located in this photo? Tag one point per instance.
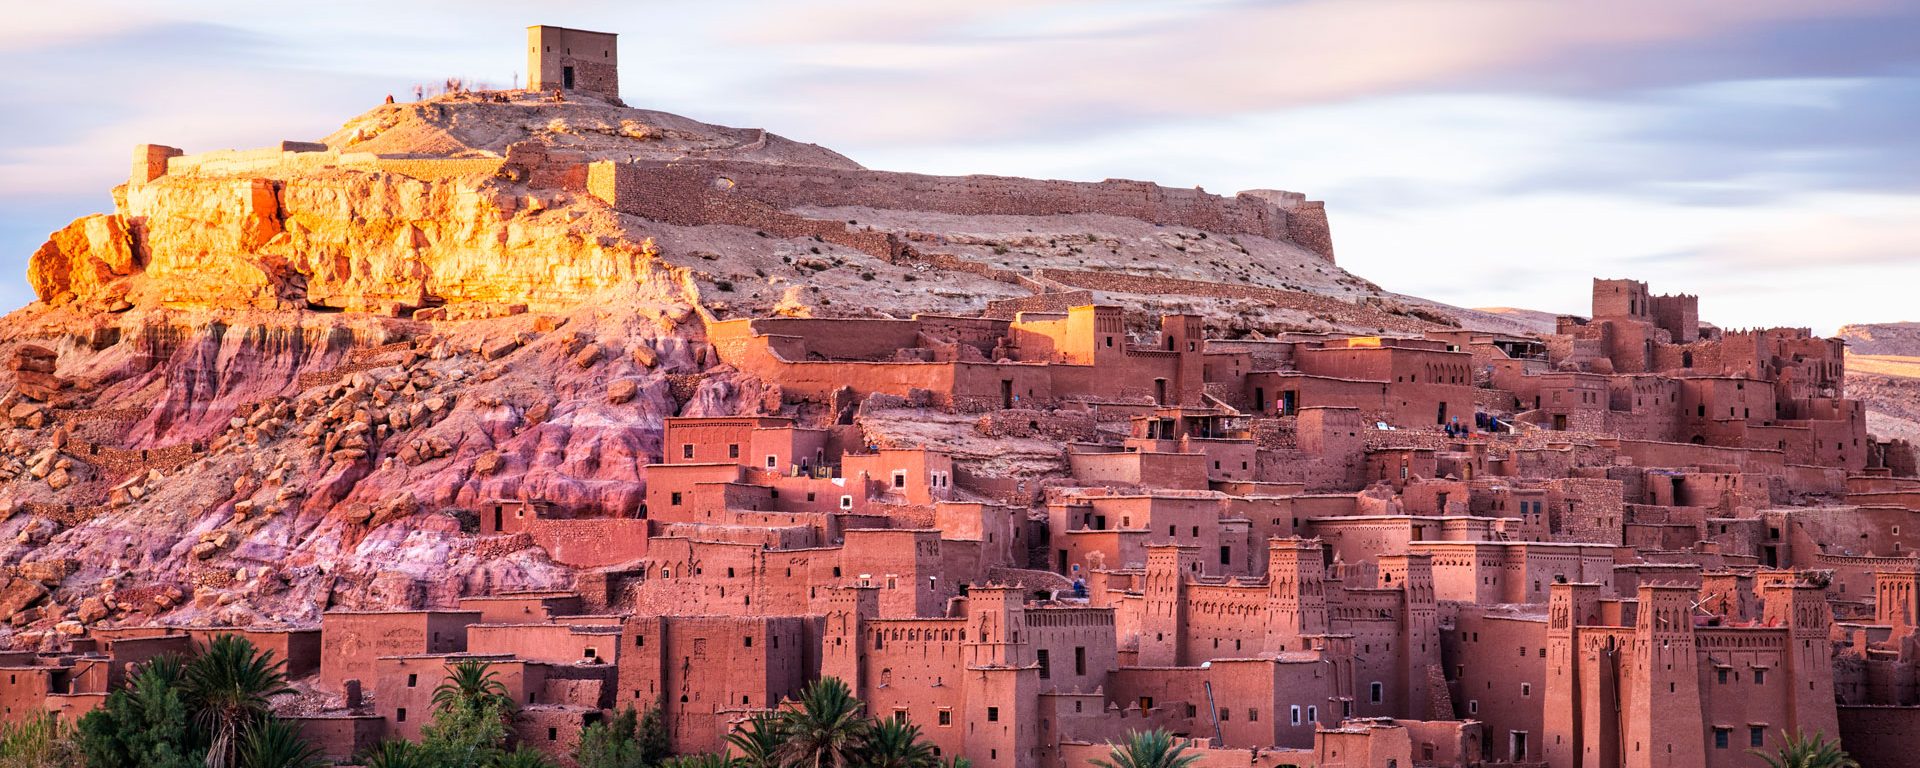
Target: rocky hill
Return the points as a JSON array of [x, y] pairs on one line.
[[276, 381], [1883, 371], [1890, 387], [1901, 339]]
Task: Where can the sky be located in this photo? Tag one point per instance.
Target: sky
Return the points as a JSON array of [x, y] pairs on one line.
[[1762, 154]]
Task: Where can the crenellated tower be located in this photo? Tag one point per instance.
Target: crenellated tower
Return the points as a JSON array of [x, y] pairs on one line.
[[1296, 593]]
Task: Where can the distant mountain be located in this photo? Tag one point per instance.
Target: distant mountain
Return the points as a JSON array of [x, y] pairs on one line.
[[1532, 319], [1901, 339]]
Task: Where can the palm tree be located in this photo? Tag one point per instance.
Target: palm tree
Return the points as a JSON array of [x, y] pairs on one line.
[[1148, 749], [705, 760], [1799, 751], [229, 686], [397, 753], [824, 728], [894, 743], [472, 683], [521, 758], [757, 741], [276, 743]]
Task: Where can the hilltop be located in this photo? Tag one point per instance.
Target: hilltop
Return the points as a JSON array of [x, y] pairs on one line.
[[258, 378], [1900, 339]]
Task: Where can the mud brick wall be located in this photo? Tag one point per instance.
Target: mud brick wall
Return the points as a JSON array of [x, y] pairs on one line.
[[1587, 509], [591, 542], [1053, 425], [1307, 227], [689, 196], [278, 162], [952, 263], [791, 187], [1276, 434], [1046, 302], [1118, 282]]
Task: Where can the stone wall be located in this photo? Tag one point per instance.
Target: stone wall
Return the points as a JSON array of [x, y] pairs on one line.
[[1249, 213], [1120, 282], [686, 195], [1045, 302]]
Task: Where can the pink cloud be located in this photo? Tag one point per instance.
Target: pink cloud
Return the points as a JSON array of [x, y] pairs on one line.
[[945, 70]]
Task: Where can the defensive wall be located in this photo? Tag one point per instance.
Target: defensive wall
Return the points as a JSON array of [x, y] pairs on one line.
[[688, 195], [1301, 301], [152, 161], [1263, 213], [758, 196]]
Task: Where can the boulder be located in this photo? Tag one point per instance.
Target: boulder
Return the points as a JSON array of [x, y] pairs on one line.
[[587, 356], [495, 349], [29, 415], [622, 390], [488, 463]]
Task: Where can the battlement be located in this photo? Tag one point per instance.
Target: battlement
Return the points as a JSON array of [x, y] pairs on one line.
[[1678, 314], [1262, 213]]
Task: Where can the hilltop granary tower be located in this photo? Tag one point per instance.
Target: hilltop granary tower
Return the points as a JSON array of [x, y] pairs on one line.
[[573, 60]]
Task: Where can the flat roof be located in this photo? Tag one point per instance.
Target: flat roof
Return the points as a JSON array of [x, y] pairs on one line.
[[572, 29]]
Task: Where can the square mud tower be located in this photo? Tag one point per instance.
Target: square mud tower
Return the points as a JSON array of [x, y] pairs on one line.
[[573, 60]]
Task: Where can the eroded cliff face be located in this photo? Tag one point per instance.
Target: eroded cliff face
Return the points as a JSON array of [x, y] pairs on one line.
[[267, 465], [343, 240]]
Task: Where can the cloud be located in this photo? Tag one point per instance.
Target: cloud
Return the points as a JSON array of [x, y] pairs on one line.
[[920, 75]]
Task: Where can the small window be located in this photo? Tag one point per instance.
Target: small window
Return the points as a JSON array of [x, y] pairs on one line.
[[749, 641], [1376, 692], [1756, 736], [1721, 736], [686, 450], [946, 717], [899, 479], [1759, 677], [676, 498], [993, 714], [1293, 714], [733, 451], [400, 715], [846, 502], [413, 680]]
